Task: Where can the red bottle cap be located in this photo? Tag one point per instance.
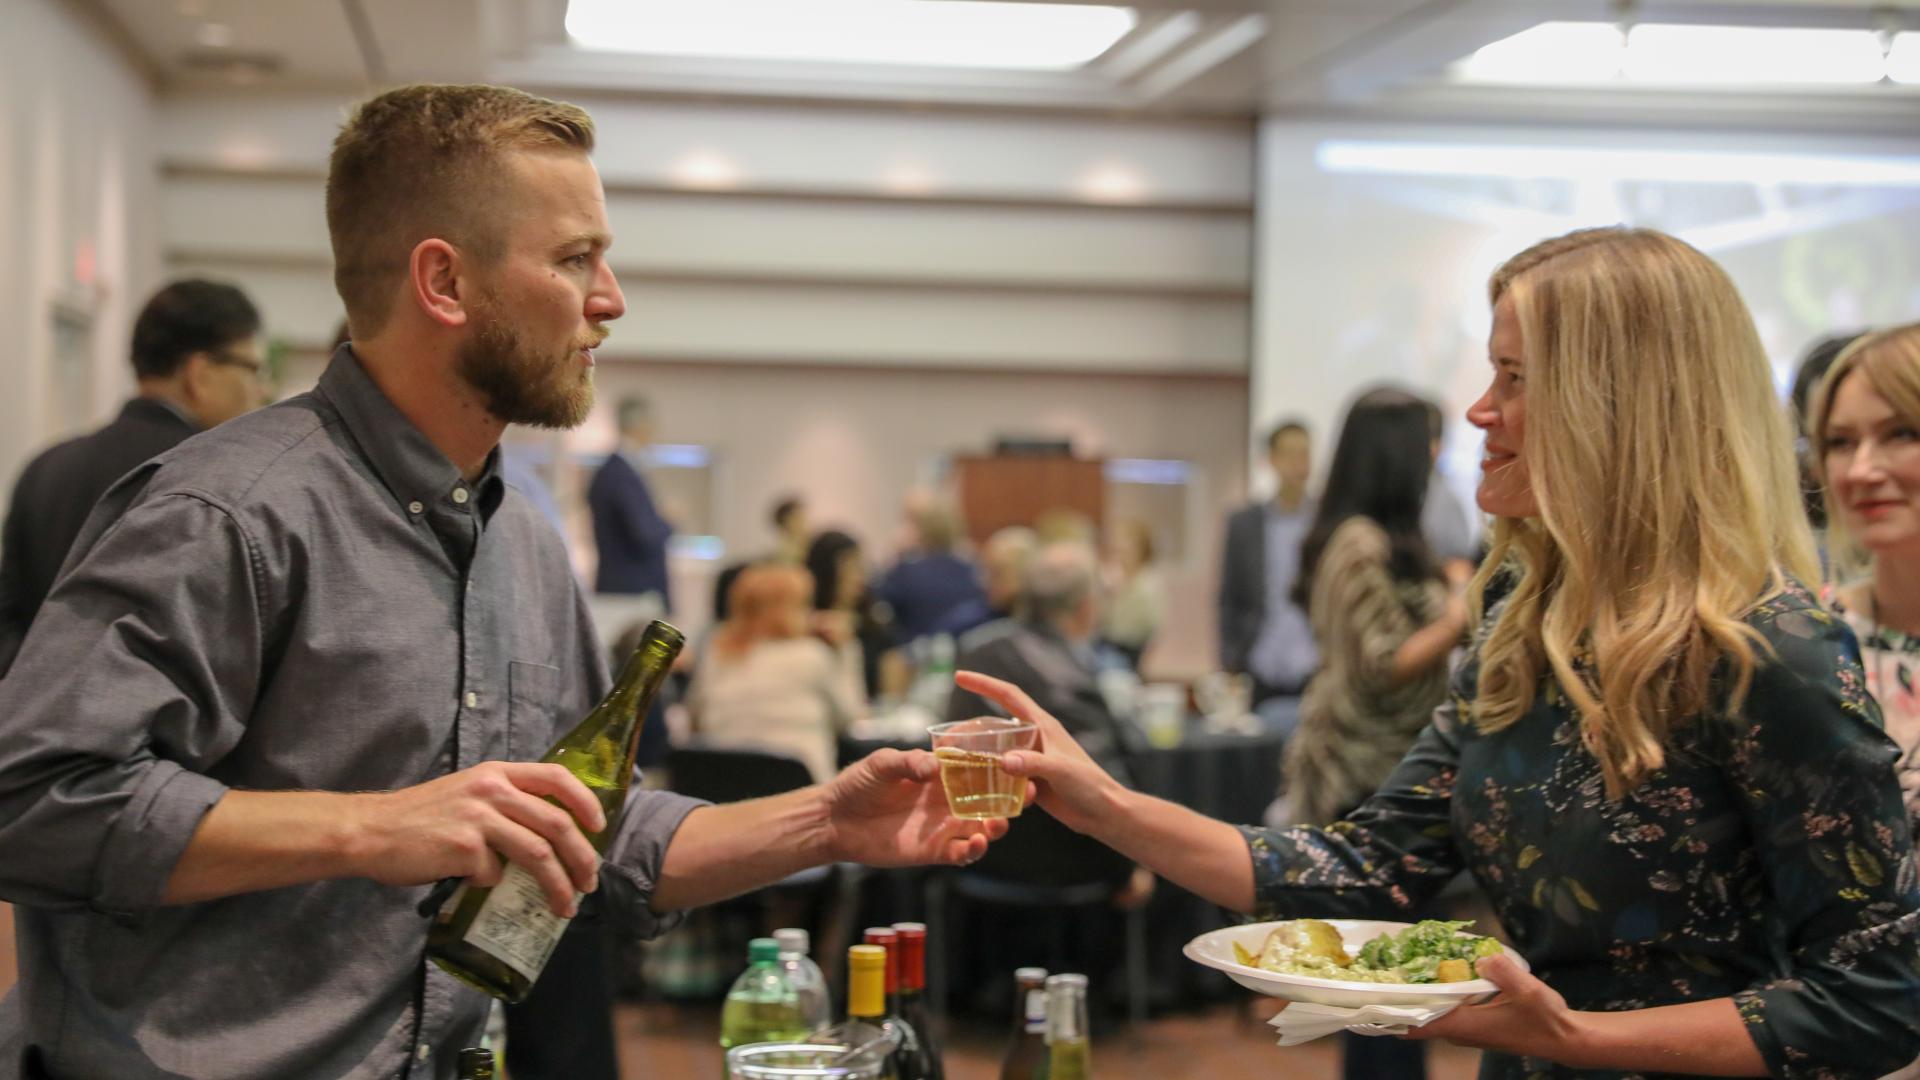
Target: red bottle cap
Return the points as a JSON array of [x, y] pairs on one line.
[[887, 939], [913, 955]]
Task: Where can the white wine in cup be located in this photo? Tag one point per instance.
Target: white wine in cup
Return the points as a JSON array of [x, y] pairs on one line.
[[970, 752]]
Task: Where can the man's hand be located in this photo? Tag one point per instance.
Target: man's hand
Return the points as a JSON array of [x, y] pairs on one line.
[[888, 809], [462, 825]]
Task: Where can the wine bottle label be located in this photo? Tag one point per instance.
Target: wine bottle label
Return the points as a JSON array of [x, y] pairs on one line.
[[515, 926]]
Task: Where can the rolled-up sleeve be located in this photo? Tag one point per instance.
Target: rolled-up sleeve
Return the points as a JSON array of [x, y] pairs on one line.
[[639, 849], [133, 683], [1838, 858]]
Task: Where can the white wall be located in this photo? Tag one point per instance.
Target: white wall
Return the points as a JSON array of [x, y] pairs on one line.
[[77, 224], [833, 297], [1376, 241]]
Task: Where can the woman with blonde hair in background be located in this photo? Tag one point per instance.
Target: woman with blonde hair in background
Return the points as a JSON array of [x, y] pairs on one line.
[[767, 684], [1658, 760], [1864, 424]]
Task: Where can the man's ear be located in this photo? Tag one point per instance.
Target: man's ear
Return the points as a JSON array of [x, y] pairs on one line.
[[441, 288], [195, 375]]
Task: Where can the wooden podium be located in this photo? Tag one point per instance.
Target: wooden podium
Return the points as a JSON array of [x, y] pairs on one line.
[[1014, 489]]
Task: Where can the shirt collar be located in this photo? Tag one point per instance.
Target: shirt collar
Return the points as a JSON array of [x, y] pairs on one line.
[[159, 406], [412, 468]]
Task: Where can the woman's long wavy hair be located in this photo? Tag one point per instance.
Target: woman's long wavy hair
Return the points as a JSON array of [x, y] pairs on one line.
[[1890, 360], [1662, 463]]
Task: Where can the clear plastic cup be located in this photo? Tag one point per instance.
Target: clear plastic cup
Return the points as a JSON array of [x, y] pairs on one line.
[[969, 752], [800, 1061]]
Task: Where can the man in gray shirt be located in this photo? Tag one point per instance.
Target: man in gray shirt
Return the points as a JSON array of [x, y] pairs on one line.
[[296, 667]]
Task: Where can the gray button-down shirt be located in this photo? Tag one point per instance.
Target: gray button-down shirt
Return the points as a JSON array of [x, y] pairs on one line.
[[309, 597]]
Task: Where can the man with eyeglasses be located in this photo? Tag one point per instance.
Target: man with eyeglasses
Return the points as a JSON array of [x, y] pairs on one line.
[[197, 359]]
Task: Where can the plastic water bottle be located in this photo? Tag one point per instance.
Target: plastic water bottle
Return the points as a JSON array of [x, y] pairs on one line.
[[762, 1006], [808, 981]]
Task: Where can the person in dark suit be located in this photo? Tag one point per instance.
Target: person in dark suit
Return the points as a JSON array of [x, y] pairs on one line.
[[628, 528], [197, 358], [1263, 633]]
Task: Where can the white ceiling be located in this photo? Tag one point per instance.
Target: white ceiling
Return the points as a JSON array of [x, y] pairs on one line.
[[1233, 57]]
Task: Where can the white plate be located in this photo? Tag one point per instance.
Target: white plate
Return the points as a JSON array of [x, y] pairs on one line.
[[1215, 950]]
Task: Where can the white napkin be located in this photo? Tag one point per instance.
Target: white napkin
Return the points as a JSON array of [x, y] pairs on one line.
[[1303, 1021]]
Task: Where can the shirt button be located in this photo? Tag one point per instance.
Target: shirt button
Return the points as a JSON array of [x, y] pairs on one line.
[[473, 700], [460, 496], [415, 507], [424, 1052]]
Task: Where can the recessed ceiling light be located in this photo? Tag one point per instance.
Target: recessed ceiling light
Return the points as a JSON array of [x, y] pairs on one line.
[[705, 169], [1903, 60], [948, 33]]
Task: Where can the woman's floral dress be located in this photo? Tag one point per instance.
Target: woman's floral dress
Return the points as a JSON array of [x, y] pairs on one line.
[[1770, 861]]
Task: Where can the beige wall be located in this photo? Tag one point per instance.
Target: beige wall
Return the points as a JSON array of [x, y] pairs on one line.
[[78, 232], [852, 441]]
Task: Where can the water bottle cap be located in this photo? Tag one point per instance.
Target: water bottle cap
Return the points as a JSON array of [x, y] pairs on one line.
[[763, 950], [792, 940]]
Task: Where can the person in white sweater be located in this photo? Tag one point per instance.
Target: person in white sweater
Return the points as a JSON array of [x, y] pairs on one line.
[[767, 683]]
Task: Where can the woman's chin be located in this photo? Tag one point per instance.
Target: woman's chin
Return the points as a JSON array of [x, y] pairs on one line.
[[1504, 503]]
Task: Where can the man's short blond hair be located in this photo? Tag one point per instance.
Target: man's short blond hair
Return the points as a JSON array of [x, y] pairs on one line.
[[424, 162]]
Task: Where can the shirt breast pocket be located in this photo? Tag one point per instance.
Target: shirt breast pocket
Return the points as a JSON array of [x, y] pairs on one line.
[[533, 695]]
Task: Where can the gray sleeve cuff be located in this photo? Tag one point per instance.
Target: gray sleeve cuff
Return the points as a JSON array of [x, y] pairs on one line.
[[148, 837], [634, 860]]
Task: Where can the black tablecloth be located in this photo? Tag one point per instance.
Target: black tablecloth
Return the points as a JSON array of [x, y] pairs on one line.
[[1229, 776]]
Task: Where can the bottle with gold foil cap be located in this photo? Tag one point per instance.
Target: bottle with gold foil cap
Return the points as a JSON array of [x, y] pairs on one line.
[[865, 1025]]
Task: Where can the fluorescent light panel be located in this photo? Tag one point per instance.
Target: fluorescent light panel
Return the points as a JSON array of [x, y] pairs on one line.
[[1384, 158], [1658, 54], [934, 33]]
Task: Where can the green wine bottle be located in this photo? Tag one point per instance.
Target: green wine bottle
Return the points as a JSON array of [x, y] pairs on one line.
[[497, 939], [476, 1063]]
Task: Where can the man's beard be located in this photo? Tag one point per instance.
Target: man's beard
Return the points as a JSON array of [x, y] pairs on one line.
[[517, 383]]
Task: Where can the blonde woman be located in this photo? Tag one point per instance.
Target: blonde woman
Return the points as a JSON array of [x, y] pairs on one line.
[[1659, 759], [1865, 426]]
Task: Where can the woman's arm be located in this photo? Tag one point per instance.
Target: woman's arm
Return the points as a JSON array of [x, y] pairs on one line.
[[1381, 863], [1429, 646], [1530, 1019]]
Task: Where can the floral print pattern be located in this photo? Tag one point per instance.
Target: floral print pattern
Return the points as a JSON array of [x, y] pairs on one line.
[[1770, 860], [1891, 658]]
